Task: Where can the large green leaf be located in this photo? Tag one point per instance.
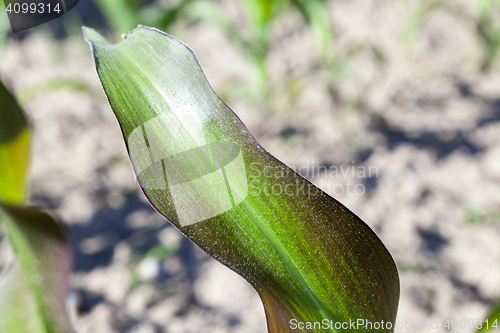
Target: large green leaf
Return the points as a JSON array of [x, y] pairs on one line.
[[45, 257], [315, 12], [18, 307], [308, 257], [33, 294]]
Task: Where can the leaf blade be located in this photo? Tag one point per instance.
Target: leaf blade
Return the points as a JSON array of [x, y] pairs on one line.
[[45, 256], [201, 169], [14, 149], [18, 309], [40, 277]]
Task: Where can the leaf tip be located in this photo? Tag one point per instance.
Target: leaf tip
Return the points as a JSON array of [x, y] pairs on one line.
[[93, 37]]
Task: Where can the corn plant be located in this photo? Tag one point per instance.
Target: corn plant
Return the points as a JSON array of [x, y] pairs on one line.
[[259, 16], [316, 265], [33, 292], [484, 21], [488, 30], [124, 15]]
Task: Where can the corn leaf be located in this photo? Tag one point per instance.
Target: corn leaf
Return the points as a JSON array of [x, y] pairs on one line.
[[14, 149], [309, 258], [45, 260], [33, 294], [16, 294], [315, 12]]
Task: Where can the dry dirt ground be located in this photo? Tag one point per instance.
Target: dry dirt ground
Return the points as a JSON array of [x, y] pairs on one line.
[[422, 122]]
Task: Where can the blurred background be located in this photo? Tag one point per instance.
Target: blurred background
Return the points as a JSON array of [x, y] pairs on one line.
[[392, 107]]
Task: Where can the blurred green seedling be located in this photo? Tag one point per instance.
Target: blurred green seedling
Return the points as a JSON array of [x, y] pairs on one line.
[[484, 20], [476, 216], [125, 15], [146, 267], [34, 290], [254, 39]]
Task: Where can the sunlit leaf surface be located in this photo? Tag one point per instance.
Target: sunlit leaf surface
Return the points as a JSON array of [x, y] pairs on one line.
[[14, 149], [309, 257]]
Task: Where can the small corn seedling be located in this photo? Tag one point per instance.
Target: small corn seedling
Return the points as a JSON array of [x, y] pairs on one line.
[[259, 16], [484, 21], [124, 15]]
